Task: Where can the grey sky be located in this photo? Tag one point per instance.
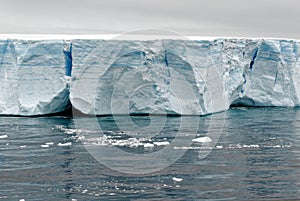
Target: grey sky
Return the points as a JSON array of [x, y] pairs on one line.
[[254, 18]]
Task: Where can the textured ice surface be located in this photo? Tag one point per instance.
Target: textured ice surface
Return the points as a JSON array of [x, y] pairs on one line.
[[32, 77], [157, 76], [183, 76], [173, 76]]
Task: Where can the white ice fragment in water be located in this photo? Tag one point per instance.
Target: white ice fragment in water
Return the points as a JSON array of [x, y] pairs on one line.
[[277, 146], [49, 143], [177, 179], [22, 200], [165, 143], [22, 146], [251, 146], [148, 145], [70, 131], [64, 144], [44, 145], [219, 147], [3, 136], [202, 139]]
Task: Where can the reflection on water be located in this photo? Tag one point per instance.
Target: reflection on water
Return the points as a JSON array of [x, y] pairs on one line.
[[257, 157]]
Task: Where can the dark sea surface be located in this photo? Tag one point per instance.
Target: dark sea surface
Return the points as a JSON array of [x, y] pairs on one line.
[[254, 154]]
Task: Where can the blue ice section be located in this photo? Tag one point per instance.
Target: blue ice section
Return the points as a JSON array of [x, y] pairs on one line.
[[68, 60]]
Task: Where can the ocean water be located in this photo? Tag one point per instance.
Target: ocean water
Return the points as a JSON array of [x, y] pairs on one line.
[[243, 154]]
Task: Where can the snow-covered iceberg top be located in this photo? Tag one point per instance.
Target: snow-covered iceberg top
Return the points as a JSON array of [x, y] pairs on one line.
[[161, 75]]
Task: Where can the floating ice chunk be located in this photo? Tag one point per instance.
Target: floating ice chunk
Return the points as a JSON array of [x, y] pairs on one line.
[[202, 139], [165, 143], [44, 145], [219, 147], [251, 146], [22, 146], [49, 143], [148, 145], [176, 179], [277, 146], [70, 131], [3, 136], [64, 144]]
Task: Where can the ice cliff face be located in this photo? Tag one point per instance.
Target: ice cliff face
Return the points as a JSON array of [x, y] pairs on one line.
[[183, 77], [154, 76], [160, 76], [32, 77], [262, 72]]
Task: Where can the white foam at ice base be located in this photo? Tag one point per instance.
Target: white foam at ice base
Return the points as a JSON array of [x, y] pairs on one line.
[[202, 140], [64, 144], [3, 136]]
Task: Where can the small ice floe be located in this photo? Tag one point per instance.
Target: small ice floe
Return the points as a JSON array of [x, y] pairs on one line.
[[148, 145], [165, 143], [44, 145], [22, 200], [176, 179], [219, 147], [70, 131], [3, 136], [251, 146], [22, 146], [64, 144], [202, 139], [49, 143], [277, 146]]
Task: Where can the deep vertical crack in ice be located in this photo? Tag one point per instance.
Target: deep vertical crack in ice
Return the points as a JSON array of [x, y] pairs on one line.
[[253, 59]]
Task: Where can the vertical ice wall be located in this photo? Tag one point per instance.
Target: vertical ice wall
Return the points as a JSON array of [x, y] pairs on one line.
[[32, 77], [154, 76]]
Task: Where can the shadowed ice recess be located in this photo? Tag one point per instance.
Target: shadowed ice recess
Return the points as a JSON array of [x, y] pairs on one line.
[[102, 76]]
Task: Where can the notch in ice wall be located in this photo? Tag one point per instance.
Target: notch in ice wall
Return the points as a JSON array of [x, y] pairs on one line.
[[68, 57]]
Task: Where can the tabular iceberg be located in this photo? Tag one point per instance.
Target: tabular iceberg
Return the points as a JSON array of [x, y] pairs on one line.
[[192, 77], [32, 77], [161, 76]]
